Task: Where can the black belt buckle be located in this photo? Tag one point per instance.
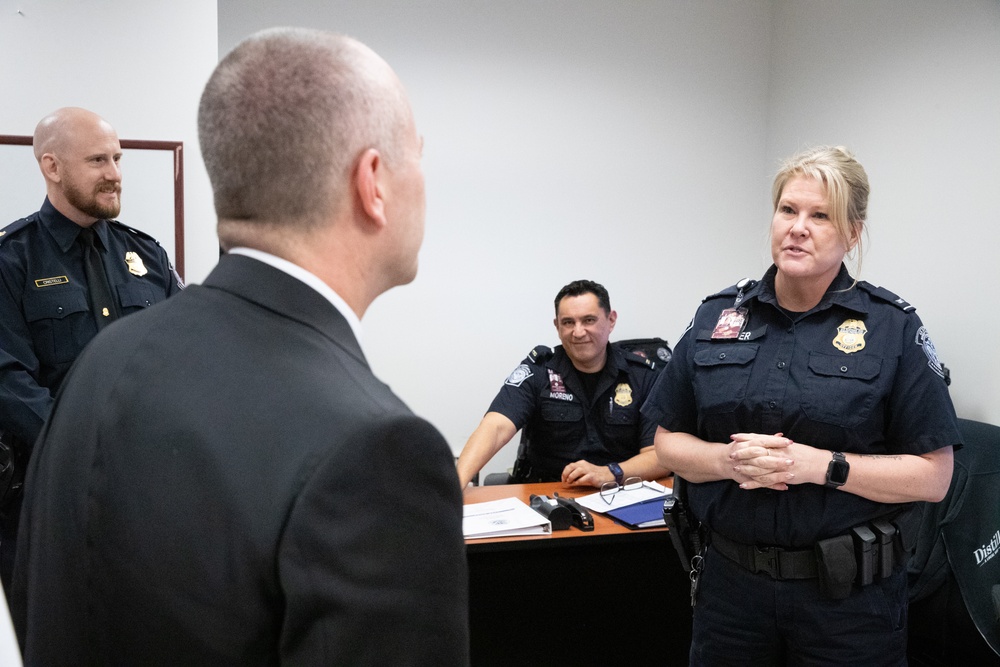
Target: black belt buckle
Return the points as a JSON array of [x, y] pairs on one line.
[[767, 561]]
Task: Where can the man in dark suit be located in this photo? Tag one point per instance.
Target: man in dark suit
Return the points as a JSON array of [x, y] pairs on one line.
[[223, 480]]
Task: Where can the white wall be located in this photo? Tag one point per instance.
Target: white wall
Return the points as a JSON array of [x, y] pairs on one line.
[[140, 65], [629, 142], [634, 143], [913, 87], [582, 139]]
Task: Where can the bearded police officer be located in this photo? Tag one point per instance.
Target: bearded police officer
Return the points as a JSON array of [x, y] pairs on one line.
[[66, 271]]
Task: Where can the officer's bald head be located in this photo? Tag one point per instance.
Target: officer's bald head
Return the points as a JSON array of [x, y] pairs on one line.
[[56, 132]]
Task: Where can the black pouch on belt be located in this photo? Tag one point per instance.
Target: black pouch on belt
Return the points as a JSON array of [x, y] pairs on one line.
[[864, 551], [885, 536], [837, 566]]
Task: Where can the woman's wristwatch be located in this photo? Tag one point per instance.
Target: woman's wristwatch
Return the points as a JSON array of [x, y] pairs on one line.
[[837, 471]]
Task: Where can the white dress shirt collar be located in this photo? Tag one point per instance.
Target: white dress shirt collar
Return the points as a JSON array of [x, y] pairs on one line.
[[296, 271]]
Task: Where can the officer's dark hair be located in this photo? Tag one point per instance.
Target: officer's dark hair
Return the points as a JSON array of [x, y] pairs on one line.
[[578, 287]]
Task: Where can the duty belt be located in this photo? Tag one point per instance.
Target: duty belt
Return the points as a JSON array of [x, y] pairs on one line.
[[780, 564]]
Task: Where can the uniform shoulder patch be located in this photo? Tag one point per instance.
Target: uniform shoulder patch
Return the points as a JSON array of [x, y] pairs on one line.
[[885, 295], [133, 230], [519, 375], [923, 339], [539, 355], [16, 226]]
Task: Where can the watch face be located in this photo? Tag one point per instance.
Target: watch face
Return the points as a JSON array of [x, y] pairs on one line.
[[837, 474], [837, 471]]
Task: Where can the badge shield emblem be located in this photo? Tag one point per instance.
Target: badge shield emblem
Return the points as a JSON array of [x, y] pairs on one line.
[[850, 336], [623, 395], [135, 265]]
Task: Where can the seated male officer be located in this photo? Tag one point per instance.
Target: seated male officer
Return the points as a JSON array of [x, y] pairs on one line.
[[579, 405]]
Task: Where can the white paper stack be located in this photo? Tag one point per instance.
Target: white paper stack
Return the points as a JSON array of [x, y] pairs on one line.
[[647, 491]]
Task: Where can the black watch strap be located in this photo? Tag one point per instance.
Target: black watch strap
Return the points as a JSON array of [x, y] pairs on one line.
[[616, 470]]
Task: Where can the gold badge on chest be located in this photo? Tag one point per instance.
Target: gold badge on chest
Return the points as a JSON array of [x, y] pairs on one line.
[[850, 336], [135, 265], [623, 395]]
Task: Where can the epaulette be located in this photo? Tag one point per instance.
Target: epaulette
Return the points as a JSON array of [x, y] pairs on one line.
[[885, 295], [15, 227], [744, 285], [133, 230], [732, 290], [634, 357], [539, 355]]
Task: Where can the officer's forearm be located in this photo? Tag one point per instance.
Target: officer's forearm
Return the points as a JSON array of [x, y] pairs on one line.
[[692, 458], [24, 406], [493, 432], [900, 478], [645, 465]]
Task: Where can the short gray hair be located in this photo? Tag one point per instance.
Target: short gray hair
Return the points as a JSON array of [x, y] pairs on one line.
[[284, 118]]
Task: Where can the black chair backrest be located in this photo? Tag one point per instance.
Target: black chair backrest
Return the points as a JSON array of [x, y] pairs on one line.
[[656, 349], [959, 538]]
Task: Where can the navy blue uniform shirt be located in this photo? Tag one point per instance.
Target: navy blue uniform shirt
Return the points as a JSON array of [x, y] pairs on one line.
[[548, 399], [857, 373], [45, 316]]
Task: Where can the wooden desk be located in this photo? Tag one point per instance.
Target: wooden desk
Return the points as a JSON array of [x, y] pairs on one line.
[[611, 596], [605, 528]]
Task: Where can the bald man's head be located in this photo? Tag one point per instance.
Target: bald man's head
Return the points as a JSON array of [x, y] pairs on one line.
[[78, 153]]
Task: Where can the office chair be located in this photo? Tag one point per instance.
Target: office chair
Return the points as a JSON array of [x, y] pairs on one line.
[[656, 349], [495, 478], [954, 575]]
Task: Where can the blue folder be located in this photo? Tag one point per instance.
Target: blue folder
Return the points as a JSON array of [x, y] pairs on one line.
[[647, 514]]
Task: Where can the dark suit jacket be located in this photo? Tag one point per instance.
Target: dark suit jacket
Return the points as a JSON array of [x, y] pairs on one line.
[[224, 481]]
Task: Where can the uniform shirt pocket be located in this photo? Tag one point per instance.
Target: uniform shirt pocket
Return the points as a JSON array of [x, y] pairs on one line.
[[561, 411], [135, 295], [841, 390], [721, 376], [619, 416], [560, 435], [59, 323], [621, 431]]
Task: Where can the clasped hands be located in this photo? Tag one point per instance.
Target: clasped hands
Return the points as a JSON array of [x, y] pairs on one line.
[[765, 461]]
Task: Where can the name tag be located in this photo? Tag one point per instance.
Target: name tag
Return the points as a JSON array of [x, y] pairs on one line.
[[55, 280]]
